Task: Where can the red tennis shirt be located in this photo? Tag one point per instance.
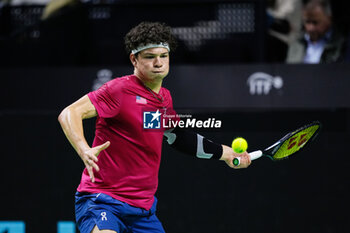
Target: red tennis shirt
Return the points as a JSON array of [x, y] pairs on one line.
[[129, 166]]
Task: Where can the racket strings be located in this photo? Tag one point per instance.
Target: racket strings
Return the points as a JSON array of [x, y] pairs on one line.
[[295, 142]]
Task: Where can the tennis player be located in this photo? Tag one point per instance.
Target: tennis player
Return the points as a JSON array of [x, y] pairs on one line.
[[116, 192]]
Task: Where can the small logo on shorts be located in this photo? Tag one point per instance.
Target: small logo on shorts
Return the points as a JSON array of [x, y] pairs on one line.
[[151, 120], [104, 217]]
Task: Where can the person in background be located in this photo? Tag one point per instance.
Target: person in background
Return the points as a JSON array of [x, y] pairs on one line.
[[284, 27], [322, 42]]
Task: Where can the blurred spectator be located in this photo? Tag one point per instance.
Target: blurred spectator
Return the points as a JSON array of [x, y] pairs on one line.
[[322, 42], [284, 27]]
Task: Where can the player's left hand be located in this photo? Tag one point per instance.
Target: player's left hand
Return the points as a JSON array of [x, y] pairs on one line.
[[228, 156]]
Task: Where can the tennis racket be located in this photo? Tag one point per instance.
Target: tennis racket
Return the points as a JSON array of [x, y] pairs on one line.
[[290, 144]]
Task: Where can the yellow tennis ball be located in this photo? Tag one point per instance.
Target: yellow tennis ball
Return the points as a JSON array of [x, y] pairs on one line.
[[239, 145]]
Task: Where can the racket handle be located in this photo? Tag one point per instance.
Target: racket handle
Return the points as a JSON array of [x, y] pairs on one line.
[[253, 156]]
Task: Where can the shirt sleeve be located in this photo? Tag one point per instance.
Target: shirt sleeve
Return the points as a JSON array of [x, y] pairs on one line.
[[107, 100]]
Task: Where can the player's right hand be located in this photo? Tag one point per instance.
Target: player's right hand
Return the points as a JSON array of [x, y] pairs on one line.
[[229, 155], [90, 159]]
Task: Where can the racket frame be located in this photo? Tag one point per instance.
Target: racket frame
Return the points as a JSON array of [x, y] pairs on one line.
[[271, 150]]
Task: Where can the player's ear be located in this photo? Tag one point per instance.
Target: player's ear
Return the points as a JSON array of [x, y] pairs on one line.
[[133, 59]]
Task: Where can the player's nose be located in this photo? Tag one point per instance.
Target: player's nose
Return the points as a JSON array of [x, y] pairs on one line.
[[157, 62]]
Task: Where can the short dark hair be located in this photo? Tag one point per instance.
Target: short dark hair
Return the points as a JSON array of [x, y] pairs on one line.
[[149, 33]]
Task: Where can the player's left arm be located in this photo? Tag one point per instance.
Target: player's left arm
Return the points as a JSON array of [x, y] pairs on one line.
[[194, 144]]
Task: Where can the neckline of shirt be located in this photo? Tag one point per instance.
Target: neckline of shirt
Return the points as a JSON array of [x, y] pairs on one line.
[[157, 96]]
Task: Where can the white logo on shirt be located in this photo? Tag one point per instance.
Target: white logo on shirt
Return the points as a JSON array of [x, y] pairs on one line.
[[104, 217]]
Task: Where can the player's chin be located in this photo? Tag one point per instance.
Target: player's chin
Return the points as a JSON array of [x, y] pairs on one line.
[[159, 74]]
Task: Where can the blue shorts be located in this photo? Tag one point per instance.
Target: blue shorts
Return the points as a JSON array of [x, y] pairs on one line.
[[110, 214]]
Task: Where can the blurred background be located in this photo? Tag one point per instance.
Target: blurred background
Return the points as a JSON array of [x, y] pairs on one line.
[[262, 67]]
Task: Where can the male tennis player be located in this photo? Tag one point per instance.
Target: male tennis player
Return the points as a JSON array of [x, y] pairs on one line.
[[117, 188]]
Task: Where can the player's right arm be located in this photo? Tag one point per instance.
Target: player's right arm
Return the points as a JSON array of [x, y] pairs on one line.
[[71, 120], [194, 144]]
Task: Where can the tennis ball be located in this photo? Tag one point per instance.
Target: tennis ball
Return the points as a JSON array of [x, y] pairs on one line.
[[239, 145]]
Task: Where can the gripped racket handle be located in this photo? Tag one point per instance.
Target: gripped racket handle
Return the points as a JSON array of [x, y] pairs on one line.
[[253, 156]]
